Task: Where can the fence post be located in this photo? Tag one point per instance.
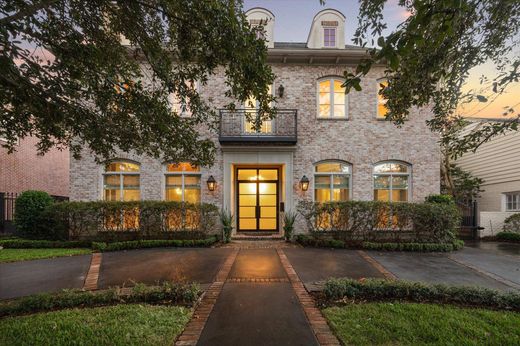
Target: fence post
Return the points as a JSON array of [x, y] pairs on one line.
[[2, 210]]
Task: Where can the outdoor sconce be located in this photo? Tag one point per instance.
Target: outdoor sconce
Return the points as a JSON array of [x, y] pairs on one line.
[[281, 89], [304, 183], [212, 183]]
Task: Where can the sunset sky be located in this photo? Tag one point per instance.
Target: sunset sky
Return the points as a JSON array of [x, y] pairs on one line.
[[293, 21]]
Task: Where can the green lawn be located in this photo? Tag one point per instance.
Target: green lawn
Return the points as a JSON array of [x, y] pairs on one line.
[[13, 255], [415, 324], [115, 325]]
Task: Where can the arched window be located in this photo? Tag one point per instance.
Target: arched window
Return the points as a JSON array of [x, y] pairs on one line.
[[382, 110], [121, 181], [392, 182], [332, 100], [332, 181], [182, 182]]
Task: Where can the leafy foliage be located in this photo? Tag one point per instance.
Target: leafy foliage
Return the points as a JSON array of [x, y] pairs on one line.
[[512, 223], [461, 184], [29, 207], [153, 243], [508, 236], [429, 56], [67, 77], [289, 218], [227, 220], [377, 289], [109, 221], [171, 293], [442, 199], [43, 244], [382, 221]]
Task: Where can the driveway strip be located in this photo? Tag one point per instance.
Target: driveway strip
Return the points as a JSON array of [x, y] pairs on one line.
[[317, 321], [387, 274], [91, 281], [192, 332]]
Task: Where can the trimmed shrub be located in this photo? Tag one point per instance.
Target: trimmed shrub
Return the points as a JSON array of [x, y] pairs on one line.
[[118, 221], [374, 221], [29, 209], [508, 236], [167, 293], [512, 223], [383, 290], [42, 244], [142, 244], [441, 199]]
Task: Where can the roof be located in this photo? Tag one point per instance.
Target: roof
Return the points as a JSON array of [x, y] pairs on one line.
[[299, 53], [303, 45]]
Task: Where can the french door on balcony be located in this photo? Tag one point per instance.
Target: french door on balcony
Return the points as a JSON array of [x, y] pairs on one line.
[[251, 111], [257, 199]]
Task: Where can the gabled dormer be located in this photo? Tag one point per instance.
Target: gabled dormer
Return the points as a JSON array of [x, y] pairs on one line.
[[327, 30], [259, 16]]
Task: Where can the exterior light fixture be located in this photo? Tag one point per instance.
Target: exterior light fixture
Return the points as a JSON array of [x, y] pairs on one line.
[[281, 89], [304, 183], [212, 183]]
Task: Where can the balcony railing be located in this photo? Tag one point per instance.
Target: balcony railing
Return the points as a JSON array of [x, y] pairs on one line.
[[235, 129]]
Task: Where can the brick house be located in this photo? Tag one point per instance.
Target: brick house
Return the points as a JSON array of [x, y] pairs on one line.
[[340, 143]]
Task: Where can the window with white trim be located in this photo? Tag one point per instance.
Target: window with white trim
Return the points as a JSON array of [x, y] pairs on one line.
[[392, 182], [182, 182], [121, 181], [513, 201], [332, 99], [329, 37], [332, 181]]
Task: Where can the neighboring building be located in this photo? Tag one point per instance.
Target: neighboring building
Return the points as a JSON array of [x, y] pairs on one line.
[[25, 170], [341, 143], [498, 163]]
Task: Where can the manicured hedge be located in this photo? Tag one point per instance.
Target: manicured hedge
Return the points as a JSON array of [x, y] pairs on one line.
[[119, 221], [375, 221], [141, 244], [29, 208], [42, 244], [168, 293], [310, 240], [512, 223], [508, 236], [383, 290]]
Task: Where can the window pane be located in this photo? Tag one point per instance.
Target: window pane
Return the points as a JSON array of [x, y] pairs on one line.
[[324, 86], [324, 111], [130, 195], [247, 212], [247, 223], [322, 195], [400, 182], [340, 182], [332, 167], [339, 111], [268, 200], [112, 181], [173, 180], [381, 182], [391, 168], [247, 174], [192, 195], [192, 181], [339, 99], [247, 200], [268, 188], [324, 98], [182, 167], [268, 211], [247, 188], [382, 110], [399, 195], [322, 181], [131, 181], [268, 174], [381, 195], [338, 88], [112, 194], [121, 167], [340, 194], [267, 223], [174, 194]]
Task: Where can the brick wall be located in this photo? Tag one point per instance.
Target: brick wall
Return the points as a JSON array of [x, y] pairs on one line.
[[25, 170]]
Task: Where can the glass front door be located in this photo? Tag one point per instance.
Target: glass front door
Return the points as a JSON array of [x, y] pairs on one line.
[[257, 199]]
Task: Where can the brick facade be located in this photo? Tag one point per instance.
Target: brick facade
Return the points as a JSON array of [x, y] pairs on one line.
[[361, 140], [25, 170]]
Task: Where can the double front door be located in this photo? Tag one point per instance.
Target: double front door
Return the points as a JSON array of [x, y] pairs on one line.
[[257, 199]]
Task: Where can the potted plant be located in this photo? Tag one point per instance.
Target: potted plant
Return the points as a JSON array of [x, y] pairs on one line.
[[227, 219], [288, 224]]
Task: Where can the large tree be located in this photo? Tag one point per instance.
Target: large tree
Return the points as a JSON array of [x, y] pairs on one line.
[[67, 78], [430, 55]]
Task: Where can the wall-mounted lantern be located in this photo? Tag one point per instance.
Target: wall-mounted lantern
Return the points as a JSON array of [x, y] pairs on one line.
[[281, 89], [212, 183], [304, 183]]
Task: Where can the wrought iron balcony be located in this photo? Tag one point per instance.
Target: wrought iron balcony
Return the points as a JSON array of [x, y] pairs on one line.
[[235, 129]]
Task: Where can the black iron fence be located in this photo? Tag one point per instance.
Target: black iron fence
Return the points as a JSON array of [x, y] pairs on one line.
[[7, 208], [469, 225]]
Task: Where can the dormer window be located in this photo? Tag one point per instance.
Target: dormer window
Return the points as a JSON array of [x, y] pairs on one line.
[[329, 37]]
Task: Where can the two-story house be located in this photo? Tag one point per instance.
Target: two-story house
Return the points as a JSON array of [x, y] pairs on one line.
[[323, 145]]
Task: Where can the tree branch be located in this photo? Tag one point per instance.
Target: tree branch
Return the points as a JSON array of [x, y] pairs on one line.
[[29, 10]]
